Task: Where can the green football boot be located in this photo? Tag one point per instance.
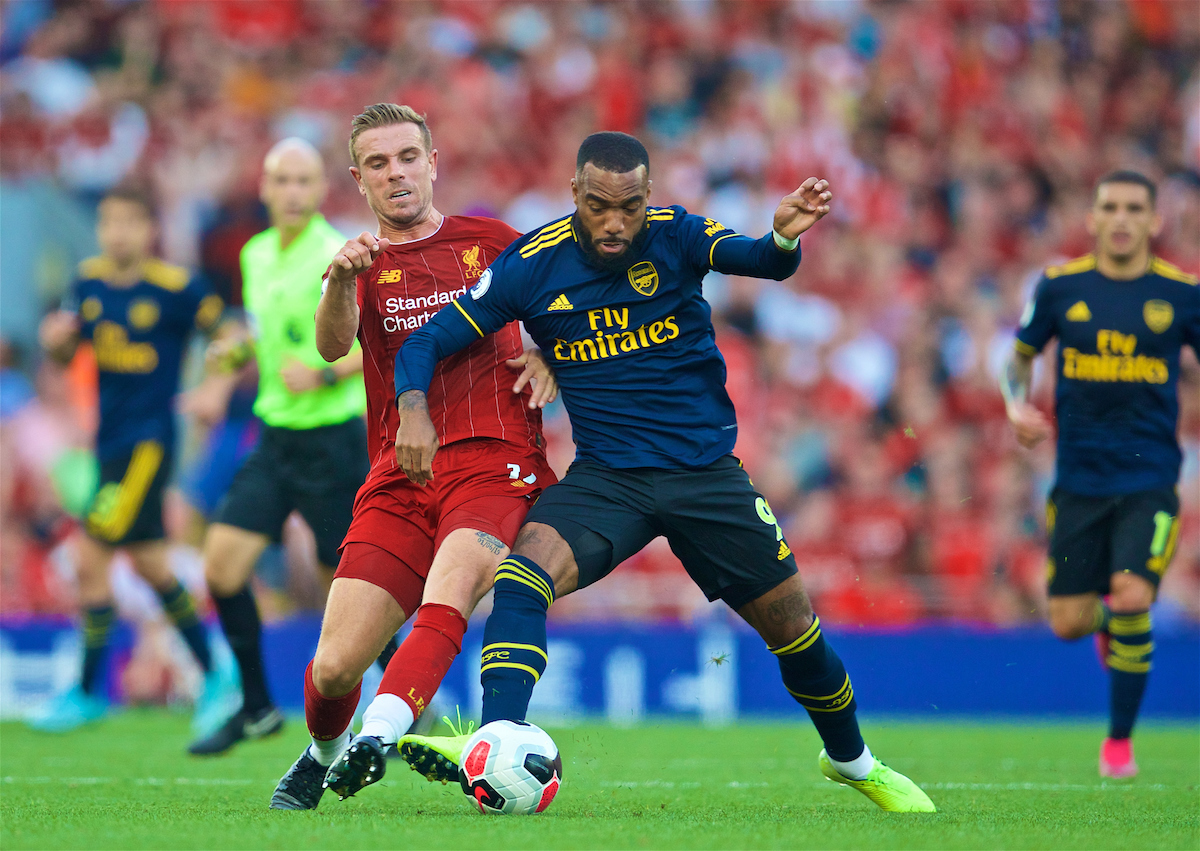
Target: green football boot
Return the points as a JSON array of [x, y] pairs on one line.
[[890, 789], [437, 757]]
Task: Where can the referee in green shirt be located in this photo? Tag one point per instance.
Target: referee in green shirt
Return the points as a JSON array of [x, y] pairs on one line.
[[312, 456]]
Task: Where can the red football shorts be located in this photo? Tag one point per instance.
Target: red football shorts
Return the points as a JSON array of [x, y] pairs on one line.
[[486, 485]]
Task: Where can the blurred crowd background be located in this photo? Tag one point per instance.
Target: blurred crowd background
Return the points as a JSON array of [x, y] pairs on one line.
[[961, 139]]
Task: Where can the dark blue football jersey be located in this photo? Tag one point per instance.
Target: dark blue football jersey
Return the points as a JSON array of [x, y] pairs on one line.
[[635, 355], [1117, 371], [139, 333]]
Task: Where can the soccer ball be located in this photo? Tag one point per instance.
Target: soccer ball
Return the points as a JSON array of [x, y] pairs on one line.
[[510, 768]]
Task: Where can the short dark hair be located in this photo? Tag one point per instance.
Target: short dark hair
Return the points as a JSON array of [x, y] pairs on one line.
[[612, 151], [133, 194], [385, 115], [1128, 176]]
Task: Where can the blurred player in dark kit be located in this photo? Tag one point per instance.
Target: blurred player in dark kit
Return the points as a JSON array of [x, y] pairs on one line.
[[139, 313], [1121, 317]]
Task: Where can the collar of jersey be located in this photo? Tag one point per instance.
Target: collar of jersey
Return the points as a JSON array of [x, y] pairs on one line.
[[422, 239]]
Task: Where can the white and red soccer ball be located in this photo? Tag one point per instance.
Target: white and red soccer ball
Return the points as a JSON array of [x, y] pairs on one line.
[[510, 768]]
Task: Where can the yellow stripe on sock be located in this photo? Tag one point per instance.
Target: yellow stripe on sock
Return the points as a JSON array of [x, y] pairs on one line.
[[516, 577], [826, 698], [802, 643], [1127, 665], [518, 665], [1130, 651], [531, 575], [1129, 624], [508, 645]]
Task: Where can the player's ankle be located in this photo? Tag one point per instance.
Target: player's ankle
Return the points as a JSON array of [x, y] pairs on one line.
[[325, 752], [387, 718], [857, 768]]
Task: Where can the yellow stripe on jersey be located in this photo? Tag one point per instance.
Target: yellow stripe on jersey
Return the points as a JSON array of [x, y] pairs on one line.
[[714, 245], [545, 235], [1073, 267], [1024, 348], [163, 274], [469, 319], [563, 237], [1161, 267]]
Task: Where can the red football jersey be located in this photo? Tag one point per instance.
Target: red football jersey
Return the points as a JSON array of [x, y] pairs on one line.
[[471, 392]]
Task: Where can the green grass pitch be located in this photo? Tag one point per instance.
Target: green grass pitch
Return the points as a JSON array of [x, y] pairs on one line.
[[127, 783]]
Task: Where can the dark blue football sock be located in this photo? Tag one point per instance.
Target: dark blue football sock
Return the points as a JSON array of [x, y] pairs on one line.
[[97, 624], [514, 639], [1130, 651], [181, 608], [815, 676]]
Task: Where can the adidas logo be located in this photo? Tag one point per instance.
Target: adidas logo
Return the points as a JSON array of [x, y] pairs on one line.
[[561, 303], [784, 551], [1079, 312]]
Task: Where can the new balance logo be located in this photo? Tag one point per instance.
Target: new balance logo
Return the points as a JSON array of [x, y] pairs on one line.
[[390, 276], [1079, 312], [561, 303]]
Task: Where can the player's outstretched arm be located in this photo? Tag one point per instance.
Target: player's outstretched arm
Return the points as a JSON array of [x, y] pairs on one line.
[[337, 312], [803, 208], [537, 373], [1028, 423], [776, 255]]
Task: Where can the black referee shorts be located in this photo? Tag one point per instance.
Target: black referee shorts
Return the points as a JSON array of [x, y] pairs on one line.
[[315, 471], [716, 523], [1093, 537]]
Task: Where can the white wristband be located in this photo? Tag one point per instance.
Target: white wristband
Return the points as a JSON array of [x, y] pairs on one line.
[[783, 242]]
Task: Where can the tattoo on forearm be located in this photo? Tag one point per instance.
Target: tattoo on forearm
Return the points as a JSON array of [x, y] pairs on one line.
[[411, 400], [789, 608], [490, 542]]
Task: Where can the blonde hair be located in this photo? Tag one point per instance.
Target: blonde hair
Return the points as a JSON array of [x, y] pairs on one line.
[[385, 115]]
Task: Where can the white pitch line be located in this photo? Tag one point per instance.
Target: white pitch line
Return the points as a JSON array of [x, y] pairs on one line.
[[137, 781], [1048, 787], [981, 787]]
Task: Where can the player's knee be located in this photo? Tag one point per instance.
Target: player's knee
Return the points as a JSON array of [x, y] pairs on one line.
[[1130, 593], [334, 673], [1069, 626]]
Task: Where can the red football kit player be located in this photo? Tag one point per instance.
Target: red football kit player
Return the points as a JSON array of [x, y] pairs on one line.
[[429, 549]]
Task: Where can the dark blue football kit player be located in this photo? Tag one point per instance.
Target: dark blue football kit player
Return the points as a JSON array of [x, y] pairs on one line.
[[612, 296], [1121, 317], [139, 313]]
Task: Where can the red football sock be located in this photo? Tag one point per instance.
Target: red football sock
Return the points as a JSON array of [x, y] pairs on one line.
[[327, 717], [416, 670]]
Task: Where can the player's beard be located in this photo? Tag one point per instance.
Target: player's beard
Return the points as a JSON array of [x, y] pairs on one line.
[[623, 261]]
